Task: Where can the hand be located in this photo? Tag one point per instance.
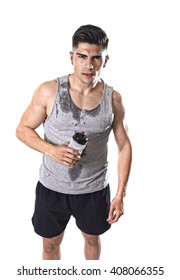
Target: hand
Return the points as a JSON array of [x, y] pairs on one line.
[[116, 210], [65, 155]]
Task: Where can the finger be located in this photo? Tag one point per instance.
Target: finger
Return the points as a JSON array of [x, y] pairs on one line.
[[111, 214], [66, 159], [70, 157], [69, 164], [70, 160], [115, 217], [73, 151]]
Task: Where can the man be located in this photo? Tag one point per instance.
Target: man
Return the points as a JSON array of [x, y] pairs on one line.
[[71, 183]]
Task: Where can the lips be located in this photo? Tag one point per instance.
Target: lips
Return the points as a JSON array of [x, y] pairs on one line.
[[88, 74]]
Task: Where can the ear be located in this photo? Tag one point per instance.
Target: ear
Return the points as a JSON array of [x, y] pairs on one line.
[[106, 59], [71, 57]]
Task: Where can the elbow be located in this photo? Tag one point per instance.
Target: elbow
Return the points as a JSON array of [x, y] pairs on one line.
[[18, 132], [126, 149], [126, 145]]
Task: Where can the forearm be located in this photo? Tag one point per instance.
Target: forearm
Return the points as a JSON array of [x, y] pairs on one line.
[[124, 166], [31, 138]]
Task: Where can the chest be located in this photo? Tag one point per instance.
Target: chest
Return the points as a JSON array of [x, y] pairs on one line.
[[78, 115], [86, 101]]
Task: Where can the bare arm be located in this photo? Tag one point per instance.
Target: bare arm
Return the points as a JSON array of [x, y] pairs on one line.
[[124, 158], [37, 111]]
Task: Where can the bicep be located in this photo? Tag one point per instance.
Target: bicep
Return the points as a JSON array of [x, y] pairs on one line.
[[41, 103], [33, 116], [119, 127], [35, 113]]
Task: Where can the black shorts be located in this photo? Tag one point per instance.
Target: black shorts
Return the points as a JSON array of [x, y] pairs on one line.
[[53, 211]]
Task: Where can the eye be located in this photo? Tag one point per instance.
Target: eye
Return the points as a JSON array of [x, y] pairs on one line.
[[81, 56], [97, 57]]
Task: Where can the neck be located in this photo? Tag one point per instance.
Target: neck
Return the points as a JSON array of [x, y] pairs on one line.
[[77, 85]]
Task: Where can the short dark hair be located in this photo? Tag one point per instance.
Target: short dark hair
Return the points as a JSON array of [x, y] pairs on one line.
[[90, 34]]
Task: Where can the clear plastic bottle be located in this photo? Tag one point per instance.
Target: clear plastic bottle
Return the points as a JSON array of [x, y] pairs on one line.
[[78, 141]]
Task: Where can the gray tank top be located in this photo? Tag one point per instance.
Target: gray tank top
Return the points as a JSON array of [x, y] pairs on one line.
[[91, 173]]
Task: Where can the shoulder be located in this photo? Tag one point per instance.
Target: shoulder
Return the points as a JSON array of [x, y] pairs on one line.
[[45, 92], [47, 88], [116, 96], [118, 108]]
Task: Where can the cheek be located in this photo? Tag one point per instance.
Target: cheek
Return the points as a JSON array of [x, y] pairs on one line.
[[99, 66], [77, 67], [78, 64]]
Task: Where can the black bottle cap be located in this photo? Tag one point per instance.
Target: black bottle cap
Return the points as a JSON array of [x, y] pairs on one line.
[[80, 138]]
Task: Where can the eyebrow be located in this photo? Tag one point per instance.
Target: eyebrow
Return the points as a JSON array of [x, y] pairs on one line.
[[94, 56]]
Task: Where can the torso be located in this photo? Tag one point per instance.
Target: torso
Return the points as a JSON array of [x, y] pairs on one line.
[[65, 118]]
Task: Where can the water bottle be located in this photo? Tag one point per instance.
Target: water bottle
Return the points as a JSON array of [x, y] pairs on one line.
[[78, 141]]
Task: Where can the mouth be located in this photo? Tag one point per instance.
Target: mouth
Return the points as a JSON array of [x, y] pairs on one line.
[[89, 75]]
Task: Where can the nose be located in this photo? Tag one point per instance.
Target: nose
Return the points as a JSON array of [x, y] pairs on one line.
[[89, 64]]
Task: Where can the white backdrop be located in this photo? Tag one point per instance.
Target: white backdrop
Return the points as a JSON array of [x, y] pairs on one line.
[[144, 66]]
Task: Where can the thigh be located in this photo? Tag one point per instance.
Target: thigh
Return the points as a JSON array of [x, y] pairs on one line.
[[51, 213], [91, 216]]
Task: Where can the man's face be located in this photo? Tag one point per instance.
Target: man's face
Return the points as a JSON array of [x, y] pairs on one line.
[[88, 61]]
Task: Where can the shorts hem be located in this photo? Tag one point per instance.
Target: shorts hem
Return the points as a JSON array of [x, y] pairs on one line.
[[92, 232], [48, 235]]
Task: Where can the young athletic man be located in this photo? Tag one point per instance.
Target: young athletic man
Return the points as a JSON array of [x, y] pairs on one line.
[[71, 183]]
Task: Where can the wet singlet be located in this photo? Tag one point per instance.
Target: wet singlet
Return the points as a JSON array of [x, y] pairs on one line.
[[90, 174]]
